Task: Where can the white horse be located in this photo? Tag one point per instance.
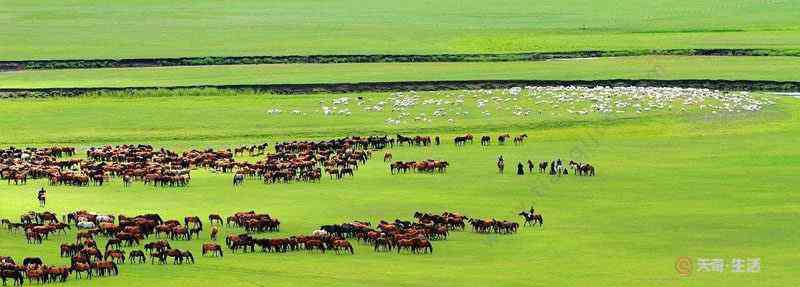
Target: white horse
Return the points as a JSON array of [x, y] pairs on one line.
[[319, 233], [104, 218], [86, 225]]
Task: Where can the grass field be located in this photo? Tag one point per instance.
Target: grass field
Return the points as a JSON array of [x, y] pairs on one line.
[[669, 184], [680, 172], [134, 29], [646, 67]]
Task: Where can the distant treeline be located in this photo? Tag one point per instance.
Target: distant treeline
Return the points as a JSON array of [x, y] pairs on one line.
[[725, 85], [332, 59]]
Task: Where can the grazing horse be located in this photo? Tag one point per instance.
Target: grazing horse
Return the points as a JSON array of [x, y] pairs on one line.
[[79, 267], [212, 218], [103, 267], [520, 139], [585, 169], [404, 139], [137, 256], [422, 245], [212, 248], [193, 221], [187, 256], [486, 140], [14, 274], [382, 244], [312, 244], [176, 254], [501, 139], [115, 256], [342, 245]]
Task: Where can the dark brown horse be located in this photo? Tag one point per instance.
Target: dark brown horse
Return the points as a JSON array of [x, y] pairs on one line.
[[520, 139], [501, 139], [531, 218]]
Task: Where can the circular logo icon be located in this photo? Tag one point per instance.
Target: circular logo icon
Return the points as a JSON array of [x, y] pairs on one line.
[[683, 265]]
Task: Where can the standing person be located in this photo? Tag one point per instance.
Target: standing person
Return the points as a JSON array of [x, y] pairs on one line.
[[42, 196], [436, 139], [520, 169], [500, 164]]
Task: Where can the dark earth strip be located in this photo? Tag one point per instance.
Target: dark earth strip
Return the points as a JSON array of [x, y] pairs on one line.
[[725, 85], [331, 59]]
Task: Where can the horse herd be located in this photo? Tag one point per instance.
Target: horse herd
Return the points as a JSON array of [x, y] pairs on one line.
[[304, 161], [34, 270], [425, 166], [88, 260]]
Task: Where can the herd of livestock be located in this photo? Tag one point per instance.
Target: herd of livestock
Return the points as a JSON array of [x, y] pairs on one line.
[[88, 258], [304, 161], [291, 161]]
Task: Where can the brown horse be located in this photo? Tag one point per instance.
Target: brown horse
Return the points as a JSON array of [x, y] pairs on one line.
[[213, 248], [105, 267], [342, 245], [312, 244], [115, 255], [422, 245], [79, 268]]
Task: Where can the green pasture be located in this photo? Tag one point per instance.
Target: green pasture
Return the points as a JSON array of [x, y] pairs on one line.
[[668, 184], [144, 28], [210, 115], [645, 67]]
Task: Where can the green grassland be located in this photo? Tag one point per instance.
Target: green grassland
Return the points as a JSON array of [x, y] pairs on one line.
[[135, 29], [669, 184], [645, 67]]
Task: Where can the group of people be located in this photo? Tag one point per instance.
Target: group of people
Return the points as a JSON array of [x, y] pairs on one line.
[[501, 165], [558, 164]]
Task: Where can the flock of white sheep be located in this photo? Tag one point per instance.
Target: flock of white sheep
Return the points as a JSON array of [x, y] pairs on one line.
[[569, 101]]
